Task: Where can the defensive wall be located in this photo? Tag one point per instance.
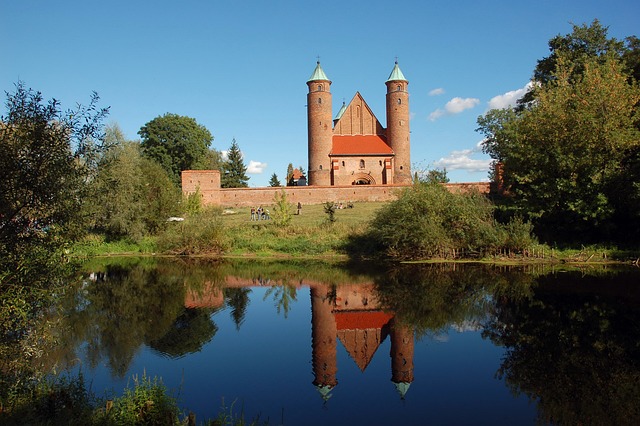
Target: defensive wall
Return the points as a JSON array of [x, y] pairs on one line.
[[208, 183]]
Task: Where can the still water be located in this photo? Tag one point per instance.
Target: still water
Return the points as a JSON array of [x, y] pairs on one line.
[[310, 343]]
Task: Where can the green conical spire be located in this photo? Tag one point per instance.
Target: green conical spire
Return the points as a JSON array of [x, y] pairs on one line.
[[318, 74], [396, 74]]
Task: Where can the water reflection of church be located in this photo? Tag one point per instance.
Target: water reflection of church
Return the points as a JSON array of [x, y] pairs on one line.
[[348, 313]]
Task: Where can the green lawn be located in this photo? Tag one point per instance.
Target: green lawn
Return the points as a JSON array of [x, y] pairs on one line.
[[308, 234]]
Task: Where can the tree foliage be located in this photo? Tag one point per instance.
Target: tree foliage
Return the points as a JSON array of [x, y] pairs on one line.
[[47, 156], [274, 181], [133, 195], [177, 143], [428, 221], [290, 174], [570, 159], [282, 210], [234, 170]]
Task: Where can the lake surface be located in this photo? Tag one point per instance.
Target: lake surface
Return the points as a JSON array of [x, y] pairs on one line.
[[310, 343]]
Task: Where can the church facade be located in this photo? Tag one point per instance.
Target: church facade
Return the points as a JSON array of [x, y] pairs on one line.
[[354, 148]]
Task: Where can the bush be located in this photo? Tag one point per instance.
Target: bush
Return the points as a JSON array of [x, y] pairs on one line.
[[429, 221], [201, 233]]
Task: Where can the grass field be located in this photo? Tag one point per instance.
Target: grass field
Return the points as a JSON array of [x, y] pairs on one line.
[[308, 234]]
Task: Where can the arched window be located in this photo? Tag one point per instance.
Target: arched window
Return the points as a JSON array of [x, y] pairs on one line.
[[319, 100], [399, 101], [319, 87], [343, 164], [362, 164], [399, 87], [320, 167]]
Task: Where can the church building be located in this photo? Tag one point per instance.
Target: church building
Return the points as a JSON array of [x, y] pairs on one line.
[[353, 148]]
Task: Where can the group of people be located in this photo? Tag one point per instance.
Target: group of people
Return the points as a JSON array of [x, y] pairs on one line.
[[259, 213]]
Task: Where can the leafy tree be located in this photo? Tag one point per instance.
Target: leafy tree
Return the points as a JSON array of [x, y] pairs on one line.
[[582, 44], [234, 170], [47, 156], [289, 174], [177, 143], [282, 211], [436, 176], [570, 160], [133, 194], [274, 181]]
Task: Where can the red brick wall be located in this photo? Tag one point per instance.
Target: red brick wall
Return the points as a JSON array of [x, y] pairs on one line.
[[209, 183]]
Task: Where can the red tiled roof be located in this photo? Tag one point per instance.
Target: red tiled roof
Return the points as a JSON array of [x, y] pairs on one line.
[[358, 320], [360, 145], [297, 174]]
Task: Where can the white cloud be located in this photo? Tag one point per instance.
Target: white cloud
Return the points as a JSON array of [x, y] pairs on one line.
[[256, 167], [462, 160], [508, 99], [457, 105], [436, 92], [454, 106], [225, 155], [436, 114]]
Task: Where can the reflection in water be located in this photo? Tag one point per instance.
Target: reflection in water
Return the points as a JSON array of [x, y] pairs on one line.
[[574, 348], [571, 340], [353, 315]]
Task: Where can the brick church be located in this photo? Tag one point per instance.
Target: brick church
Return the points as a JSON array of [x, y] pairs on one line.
[[353, 148]]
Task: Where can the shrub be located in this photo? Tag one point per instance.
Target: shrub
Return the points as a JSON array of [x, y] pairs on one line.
[[201, 233], [282, 210], [428, 221]]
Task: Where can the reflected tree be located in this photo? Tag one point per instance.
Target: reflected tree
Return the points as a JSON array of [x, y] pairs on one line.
[[188, 334], [573, 350], [433, 297], [122, 308], [238, 300], [283, 296]]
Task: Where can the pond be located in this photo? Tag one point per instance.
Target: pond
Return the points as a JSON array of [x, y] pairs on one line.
[[313, 343]]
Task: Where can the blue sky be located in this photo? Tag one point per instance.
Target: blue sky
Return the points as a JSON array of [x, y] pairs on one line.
[[240, 67]]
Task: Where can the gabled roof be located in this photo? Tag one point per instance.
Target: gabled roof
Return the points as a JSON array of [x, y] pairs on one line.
[[361, 333], [396, 74], [360, 145], [318, 74], [357, 118]]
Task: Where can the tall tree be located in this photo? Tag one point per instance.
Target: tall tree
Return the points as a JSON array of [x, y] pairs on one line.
[[274, 181], [133, 195], [177, 143], [289, 174], [234, 170], [47, 157], [585, 42], [566, 157]]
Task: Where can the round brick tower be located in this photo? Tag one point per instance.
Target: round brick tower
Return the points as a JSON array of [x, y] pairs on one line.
[[398, 135], [320, 128]]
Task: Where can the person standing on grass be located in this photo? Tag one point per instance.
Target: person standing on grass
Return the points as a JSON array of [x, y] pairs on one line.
[[253, 213], [299, 207]]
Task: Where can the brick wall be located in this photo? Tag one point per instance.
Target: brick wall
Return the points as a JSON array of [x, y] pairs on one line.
[[209, 183]]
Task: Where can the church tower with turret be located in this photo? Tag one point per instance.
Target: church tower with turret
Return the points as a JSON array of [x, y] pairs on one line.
[[320, 128], [398, 135]]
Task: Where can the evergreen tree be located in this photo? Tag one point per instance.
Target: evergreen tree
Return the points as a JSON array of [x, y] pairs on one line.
[[234, 170], [289, 174], [274, 181]]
